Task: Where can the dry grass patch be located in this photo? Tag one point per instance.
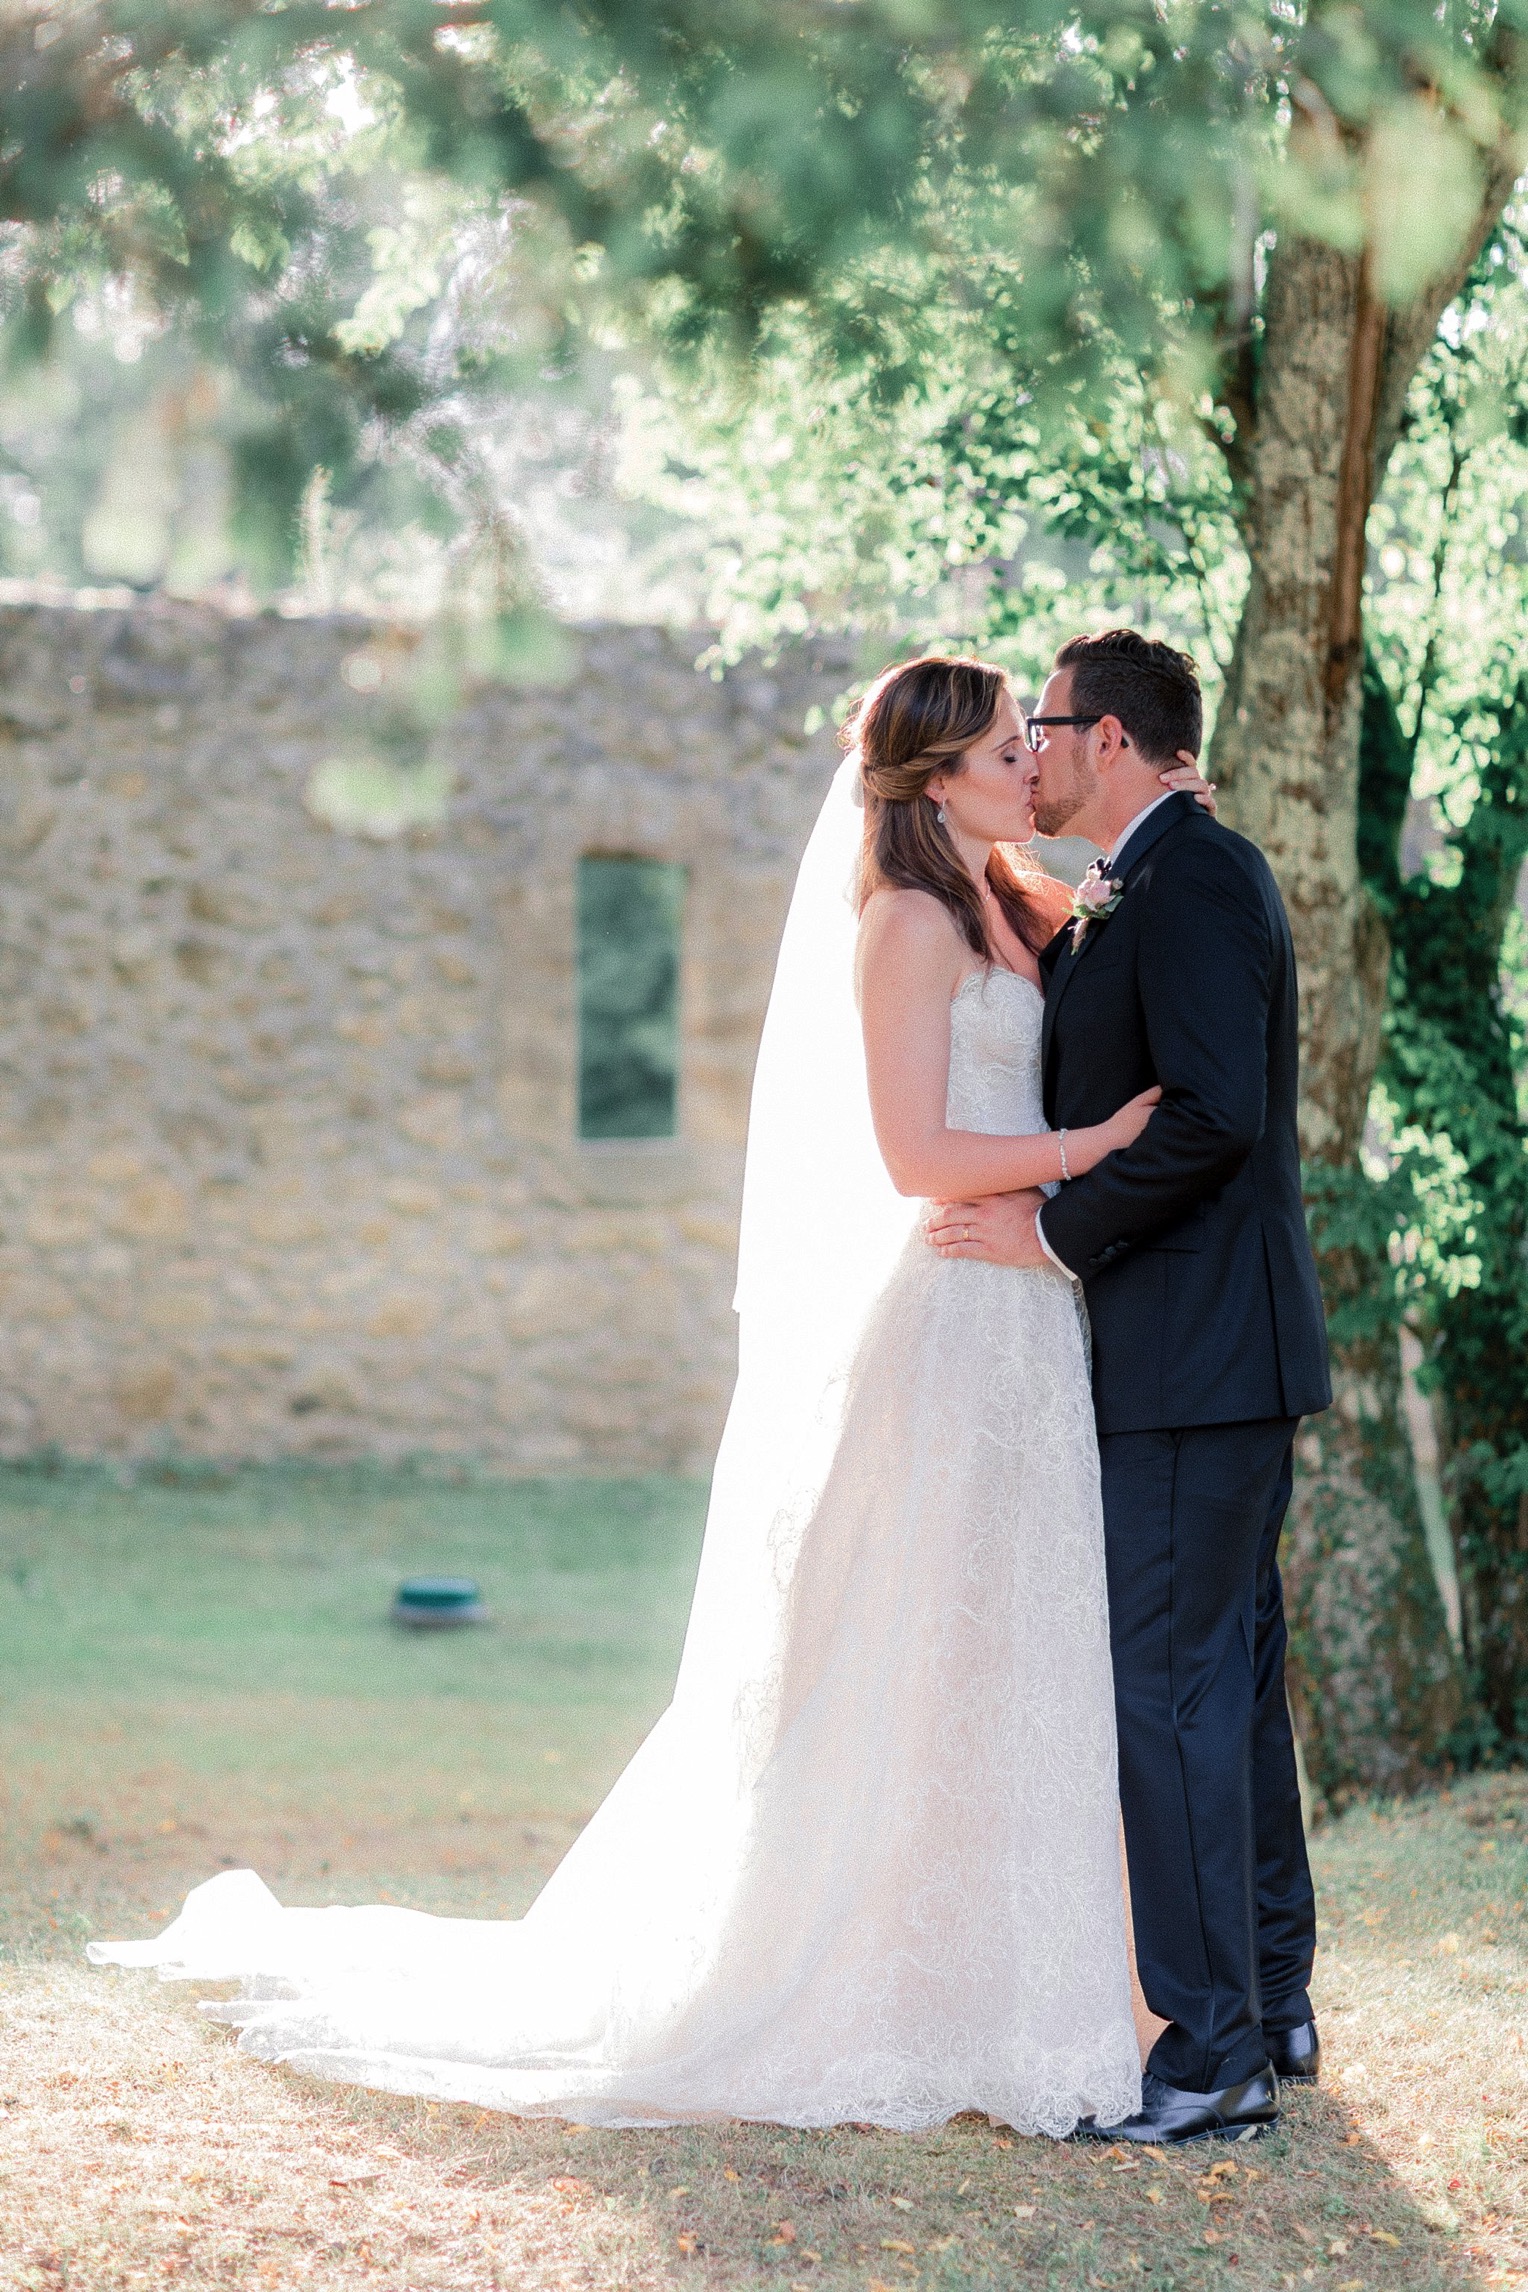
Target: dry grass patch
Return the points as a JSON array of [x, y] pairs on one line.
[[139, 2149]]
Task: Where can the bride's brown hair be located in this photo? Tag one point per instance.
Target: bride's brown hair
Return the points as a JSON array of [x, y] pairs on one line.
[[917, 720]]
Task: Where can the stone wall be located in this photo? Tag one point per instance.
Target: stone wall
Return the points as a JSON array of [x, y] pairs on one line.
[[287, 1150]]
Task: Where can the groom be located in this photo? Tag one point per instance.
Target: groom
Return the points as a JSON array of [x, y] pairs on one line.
[[1209, 1345]]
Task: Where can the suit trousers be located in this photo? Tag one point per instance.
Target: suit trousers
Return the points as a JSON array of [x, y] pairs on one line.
[[1220, 1886]]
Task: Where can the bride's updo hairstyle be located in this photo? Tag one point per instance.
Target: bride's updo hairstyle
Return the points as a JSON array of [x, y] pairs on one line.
[[916, 721]]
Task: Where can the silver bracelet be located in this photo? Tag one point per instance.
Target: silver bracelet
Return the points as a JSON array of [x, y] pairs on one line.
[[1061, 1142]]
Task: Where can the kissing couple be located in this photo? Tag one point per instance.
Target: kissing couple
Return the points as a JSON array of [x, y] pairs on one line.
[[1028, 1319]]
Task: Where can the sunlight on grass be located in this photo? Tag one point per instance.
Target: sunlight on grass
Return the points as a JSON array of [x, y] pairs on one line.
[[198, 1670]]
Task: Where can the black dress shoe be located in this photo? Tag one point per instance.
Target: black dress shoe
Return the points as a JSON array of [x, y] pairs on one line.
[[1168, 2115], [1295, 2054]]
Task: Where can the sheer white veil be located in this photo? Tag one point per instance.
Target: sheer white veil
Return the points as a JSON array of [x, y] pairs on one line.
[[822, 1228], [822, 1223]]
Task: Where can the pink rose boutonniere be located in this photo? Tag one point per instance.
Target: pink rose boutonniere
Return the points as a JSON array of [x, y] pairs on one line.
[[1096, 897]]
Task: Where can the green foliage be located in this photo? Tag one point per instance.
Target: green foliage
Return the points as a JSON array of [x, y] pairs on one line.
[[1090, 186], [961, 510], [1452, 1056], [1454, 521], [1401, 1227]]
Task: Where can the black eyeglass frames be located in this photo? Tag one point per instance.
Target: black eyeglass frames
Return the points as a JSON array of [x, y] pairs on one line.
[[1036, 724]]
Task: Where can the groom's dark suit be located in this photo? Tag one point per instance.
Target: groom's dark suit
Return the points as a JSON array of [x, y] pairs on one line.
[[1208, 1345]]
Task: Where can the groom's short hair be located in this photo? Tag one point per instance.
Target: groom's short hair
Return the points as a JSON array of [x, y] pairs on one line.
[[1153, 690]]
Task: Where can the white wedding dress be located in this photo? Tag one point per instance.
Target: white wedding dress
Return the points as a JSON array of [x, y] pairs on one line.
[[866, 1867]]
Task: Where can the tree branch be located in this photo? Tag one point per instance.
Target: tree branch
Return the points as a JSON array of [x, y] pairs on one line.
[[1235, 386], [1409, 332]]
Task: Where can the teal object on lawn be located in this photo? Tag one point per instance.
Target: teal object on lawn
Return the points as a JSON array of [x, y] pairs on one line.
[[438, 1603]]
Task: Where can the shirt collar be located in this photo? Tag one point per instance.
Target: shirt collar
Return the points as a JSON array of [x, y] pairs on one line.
[[1120, 841]]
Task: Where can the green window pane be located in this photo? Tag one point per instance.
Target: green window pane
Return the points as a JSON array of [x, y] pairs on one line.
[[629, 915]]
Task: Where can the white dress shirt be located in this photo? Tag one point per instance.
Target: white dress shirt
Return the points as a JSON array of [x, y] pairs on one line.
[[1109, 865]]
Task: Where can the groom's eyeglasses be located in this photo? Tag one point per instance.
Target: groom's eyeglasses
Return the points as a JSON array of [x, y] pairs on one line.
[[1035, 725]]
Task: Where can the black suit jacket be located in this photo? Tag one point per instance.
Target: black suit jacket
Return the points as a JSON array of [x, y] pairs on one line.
[[1191, 1244]]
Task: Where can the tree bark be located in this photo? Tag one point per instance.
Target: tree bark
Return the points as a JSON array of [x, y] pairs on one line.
[[1328, 402], [1286, 742], [1373, 1680]]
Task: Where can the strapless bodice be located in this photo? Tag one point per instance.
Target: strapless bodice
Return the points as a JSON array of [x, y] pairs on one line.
[[995, 1020]]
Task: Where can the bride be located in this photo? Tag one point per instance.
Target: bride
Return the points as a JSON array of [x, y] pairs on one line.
[[866, 1866]]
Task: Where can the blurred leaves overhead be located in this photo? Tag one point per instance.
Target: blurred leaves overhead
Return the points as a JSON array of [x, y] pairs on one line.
[[1095, 178]]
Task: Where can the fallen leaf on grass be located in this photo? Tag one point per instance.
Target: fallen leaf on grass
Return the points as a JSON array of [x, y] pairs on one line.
[[1159, 2154], [1337, 2248], [1155, 2195], [1212, 2236], [687, 2245], [943, 2243], [1383, 2236], [785, 2232], [352, 2180], [728, 2174], [904, 2204], [1023, 2212], [679, 2192], [565, 2185], [897, 2244]]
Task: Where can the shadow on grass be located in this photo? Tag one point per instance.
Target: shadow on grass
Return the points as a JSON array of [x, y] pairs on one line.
[[200, 1673], [965, 2206]]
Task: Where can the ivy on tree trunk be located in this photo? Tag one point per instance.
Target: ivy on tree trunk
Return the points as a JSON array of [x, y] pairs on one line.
[[1450, 1066]]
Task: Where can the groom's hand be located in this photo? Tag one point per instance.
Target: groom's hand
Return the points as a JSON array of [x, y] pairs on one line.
[[999, 1230]]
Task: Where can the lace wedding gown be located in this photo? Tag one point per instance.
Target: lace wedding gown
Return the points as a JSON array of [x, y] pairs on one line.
[[866, 1866]]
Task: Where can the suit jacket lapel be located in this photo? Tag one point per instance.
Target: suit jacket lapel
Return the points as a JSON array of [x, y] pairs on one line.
[[1168, 815], [1054, 957], [1063, 964]]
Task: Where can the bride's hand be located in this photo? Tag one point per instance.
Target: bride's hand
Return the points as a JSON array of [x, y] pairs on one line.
[[1185, 774], [1124, 1128], [1085, 1149]]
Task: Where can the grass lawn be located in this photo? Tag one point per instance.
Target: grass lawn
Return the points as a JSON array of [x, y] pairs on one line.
[[196, 1671]]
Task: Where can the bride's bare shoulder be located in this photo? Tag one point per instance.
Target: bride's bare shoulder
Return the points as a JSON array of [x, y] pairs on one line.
[[905, 925]]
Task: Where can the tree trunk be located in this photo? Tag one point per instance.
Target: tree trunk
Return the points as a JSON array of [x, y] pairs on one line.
[[1373, 1679], [1286, 744]]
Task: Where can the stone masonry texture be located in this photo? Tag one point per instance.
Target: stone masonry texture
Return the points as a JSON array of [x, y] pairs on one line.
[[288, 1163]]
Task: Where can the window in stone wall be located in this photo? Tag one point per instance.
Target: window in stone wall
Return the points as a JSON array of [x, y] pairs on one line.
[[629, 917]]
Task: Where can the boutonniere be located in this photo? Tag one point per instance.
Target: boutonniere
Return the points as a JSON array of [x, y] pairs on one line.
[[1096, 897]]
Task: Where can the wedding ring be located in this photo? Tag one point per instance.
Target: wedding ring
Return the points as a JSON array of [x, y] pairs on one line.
[[966, 1236]]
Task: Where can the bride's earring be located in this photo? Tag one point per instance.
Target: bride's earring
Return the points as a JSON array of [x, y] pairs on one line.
[[944, 817]]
